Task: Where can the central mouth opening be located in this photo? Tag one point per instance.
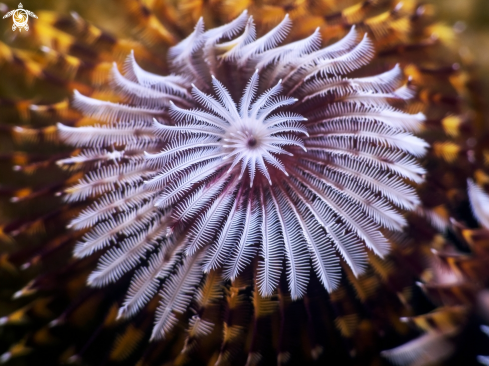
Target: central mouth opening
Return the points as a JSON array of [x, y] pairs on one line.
[[252, 142]]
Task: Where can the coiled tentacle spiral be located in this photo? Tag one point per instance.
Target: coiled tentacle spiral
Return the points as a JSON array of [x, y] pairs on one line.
[[249, 153]]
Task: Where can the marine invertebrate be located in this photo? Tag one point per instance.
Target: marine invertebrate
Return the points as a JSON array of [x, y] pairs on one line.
[[158, 161], [310, 164]]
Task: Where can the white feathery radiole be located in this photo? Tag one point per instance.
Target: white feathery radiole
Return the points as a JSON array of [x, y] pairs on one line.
[[250, 153]]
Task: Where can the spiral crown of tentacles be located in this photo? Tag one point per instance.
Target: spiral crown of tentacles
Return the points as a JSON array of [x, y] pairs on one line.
[[310, 169]]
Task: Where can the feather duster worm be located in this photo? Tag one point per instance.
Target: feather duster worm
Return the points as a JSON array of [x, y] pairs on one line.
[[262, 164], [329, 171]]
